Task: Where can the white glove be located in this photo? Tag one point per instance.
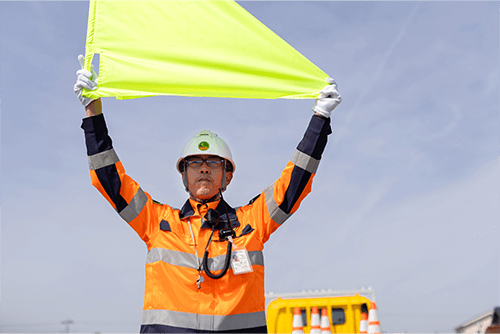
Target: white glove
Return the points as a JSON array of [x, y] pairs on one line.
[[328, 99], [85, 80]]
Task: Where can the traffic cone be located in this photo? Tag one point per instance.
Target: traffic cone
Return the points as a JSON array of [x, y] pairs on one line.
[[298, 326], [325, 322], [315, 328], [373, 323], [363, 324]]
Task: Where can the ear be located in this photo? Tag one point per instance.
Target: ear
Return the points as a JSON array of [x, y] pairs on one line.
[[229, 177]]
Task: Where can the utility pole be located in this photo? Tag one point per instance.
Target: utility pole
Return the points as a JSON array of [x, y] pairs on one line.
[[67, 323]]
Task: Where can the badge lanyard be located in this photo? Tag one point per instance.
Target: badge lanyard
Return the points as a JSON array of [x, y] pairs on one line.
[[200, 278]]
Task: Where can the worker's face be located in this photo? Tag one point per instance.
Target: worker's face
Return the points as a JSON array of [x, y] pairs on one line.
[[204, 181]]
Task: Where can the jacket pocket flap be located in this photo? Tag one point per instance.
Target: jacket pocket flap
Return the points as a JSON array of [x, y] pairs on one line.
[[165, 226], [246, 230]]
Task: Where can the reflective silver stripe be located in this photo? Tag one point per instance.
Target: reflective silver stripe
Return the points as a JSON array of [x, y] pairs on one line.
[[188, 260], [217, 263], [175, 258], [132, 210], [305, 162], [256, 257], [103, 159], [276, 214], [203, 321]]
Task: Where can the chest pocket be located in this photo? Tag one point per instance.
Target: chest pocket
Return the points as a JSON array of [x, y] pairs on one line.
[[174, 234]]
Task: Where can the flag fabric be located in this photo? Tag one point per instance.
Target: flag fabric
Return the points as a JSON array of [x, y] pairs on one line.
[[193, 48]]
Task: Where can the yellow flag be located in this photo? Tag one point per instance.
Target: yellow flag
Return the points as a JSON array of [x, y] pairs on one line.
[[193, 48]]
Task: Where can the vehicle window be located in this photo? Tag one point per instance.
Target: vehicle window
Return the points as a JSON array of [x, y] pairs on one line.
[[304, 316], [338, 316]]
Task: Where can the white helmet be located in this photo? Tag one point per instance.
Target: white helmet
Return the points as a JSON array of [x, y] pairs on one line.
[[206, 143]]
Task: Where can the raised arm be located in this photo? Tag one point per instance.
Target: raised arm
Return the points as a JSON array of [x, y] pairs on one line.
[[282, 198], [94, 108], [106, 170]]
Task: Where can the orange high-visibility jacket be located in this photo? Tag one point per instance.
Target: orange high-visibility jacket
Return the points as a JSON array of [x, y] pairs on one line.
[[172, 301]]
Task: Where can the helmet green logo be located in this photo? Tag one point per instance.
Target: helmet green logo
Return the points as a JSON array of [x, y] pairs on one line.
[[203, 146]]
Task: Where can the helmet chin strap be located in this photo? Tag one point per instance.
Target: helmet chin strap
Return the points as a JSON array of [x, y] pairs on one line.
[[211, 199], [204, 201], [223, 183]]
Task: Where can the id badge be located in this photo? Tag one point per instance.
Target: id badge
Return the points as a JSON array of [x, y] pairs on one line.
[[240, 261]]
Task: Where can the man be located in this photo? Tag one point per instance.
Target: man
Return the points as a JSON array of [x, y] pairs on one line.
[[189, 285]]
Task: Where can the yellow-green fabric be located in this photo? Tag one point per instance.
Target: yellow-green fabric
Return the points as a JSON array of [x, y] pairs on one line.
[[193, 48]]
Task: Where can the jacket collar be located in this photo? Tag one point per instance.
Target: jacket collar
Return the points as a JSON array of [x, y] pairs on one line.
[[188, 211]]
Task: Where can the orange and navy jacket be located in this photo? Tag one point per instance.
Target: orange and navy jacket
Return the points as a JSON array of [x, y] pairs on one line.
[[172, 300]]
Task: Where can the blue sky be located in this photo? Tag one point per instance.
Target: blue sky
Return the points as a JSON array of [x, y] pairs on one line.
[[405, 200]]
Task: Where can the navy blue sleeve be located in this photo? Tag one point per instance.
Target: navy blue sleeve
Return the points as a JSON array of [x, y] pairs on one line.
[[312, 144], [314, 141], [98, 141], [96, 134]]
